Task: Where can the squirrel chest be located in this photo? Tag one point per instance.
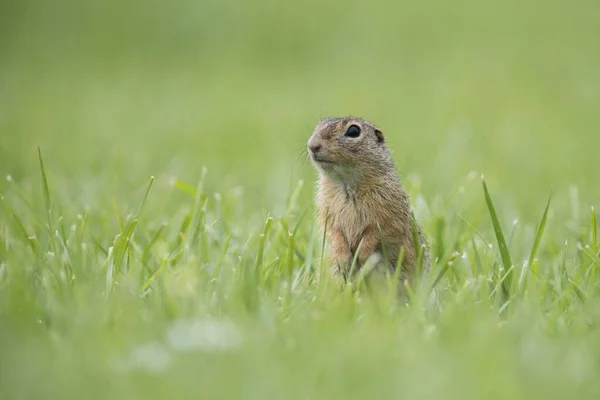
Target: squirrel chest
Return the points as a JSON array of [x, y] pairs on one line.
[[347, 211]]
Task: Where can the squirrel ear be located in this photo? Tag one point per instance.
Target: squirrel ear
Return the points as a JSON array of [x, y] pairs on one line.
[[379, 134]]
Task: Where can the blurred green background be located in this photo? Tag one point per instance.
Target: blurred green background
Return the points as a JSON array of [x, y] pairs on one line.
[[114, 92], [121, 90]]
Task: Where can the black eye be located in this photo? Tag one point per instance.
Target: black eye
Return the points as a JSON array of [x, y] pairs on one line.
[[353, 131]]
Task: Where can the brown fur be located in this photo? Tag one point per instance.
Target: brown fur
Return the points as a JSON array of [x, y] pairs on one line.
[[361, 198]]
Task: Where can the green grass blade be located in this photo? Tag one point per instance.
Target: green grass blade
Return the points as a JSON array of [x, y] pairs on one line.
[[504, 253], [500, 283], [69, 260], [539, 234], [369, 265], [268, 269], [476, 256], [198, 225], [261, 244], [289, 262], [415, 234], [300, 219], [293, 199], [47, 200], [110, 269], [473, 229], [198, 211], [443, 270], [139, 211], [152, 277], [440, 226], [99, 246], [46, 190], [307, 258], [580, 294], [355, 260], [222, 256], [384, 251], [20, 227], [183, 228], [184, 187], [122, 244], [398, 271], [24, 200], [151, 243], [419, 265], [323, 246], [538, 238], [119, 216], [593, 257], [503, 307]]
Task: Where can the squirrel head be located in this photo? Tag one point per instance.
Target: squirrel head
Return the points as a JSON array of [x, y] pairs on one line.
[[349, 149]]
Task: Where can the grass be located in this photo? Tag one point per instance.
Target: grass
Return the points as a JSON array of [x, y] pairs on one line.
[[157, 232]]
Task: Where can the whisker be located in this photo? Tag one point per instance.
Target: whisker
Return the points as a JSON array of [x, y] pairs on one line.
[[303, 155]]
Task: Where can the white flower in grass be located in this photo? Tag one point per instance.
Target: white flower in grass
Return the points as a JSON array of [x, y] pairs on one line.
[[151, 357], [207, 335]]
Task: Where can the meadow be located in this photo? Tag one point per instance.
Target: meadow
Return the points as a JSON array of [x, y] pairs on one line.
[[157, 230]]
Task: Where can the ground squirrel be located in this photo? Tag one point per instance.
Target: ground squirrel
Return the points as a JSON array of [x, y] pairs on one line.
[[361, 199]]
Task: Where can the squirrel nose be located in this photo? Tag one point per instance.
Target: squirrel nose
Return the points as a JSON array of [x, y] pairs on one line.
[[314, 147]]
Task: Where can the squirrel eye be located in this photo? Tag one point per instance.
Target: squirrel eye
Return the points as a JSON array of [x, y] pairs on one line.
[[353, 131]]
